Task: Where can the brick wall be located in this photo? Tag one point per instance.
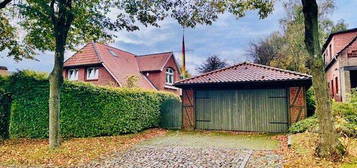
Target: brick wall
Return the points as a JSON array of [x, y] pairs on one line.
[[158, 78], [297, 104], [332, 74], [104, 77], [340, 87], [338, 42]]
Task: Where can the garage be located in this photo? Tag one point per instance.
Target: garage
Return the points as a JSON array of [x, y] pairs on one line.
[[244, 97]]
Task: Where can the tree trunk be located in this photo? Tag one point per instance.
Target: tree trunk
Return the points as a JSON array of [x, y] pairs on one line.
[[329, 146], [61, 21], [56, 82]]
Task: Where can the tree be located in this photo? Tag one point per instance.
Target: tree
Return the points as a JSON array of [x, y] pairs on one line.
[[131, 81], [290, 51], [212, 63], [9, 41], [329, 145], [57, 25], [266, 50]]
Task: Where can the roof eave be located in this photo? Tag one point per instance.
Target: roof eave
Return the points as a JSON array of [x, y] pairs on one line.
[[305, 82], [80, 65], [336, 33]]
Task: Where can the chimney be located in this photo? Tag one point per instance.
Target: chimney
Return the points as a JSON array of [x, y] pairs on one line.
[[3, 71]]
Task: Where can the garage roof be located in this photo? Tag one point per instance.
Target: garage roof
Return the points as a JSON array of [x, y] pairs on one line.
[[245, 72]]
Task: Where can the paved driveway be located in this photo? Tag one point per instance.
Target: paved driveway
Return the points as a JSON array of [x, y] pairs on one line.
[[199, 149]]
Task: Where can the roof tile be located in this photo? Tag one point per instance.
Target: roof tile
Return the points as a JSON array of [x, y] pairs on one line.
[[119, 63], [153, 62], [245, 72]]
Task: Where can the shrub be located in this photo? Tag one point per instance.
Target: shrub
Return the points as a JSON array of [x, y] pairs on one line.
[[303, 125], [345, 115], [86, 110], [310, 102]]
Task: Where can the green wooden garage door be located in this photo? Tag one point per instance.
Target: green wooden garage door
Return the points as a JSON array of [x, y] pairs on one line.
[[244, 110]]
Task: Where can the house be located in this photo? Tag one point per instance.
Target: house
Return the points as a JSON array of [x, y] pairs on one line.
[[244, 97], [101, 64], [3, 71], [340, 56]]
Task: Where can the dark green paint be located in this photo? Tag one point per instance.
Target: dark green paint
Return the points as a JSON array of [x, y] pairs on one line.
[[263, 110], [171, 114]]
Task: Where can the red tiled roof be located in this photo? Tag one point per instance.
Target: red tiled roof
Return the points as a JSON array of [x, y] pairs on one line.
[[153, 62], [245, 72], [85, 56], [120, 64]]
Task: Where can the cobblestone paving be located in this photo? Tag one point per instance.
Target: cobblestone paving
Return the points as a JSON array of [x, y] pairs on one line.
[[181, 150], [176, 157]]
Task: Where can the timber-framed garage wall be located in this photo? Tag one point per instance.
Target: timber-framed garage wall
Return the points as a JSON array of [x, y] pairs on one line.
[[285, 105]]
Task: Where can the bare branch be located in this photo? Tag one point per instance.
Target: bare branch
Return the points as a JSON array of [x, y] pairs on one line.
[[4, 3]]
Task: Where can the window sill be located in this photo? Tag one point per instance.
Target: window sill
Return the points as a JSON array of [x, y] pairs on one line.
[[170, 87], [91, 79]]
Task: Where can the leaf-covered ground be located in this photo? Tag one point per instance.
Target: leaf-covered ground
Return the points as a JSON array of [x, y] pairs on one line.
[[76, 151], [302, 153]]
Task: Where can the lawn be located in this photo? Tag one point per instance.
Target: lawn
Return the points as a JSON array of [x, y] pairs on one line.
[[302, 153], [73, 152]]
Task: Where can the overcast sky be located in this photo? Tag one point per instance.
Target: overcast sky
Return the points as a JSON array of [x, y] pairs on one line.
[[228, 38]]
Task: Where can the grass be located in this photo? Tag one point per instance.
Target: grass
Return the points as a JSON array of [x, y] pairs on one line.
[[76, 151], [201, 139], [302, 153]]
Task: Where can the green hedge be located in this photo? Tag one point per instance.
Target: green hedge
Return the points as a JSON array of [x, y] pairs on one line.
[[5, 103], [86, 110]]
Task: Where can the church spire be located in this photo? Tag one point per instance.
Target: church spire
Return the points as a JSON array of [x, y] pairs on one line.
[[183, 70]]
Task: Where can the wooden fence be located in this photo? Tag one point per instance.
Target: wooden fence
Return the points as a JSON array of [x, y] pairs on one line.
[[171, 114]]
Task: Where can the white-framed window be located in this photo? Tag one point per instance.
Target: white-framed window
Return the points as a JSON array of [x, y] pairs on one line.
[[73, 74], [169, 76], [92, 73]]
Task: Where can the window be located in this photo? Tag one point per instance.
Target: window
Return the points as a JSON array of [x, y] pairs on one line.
[[169, 76], [73, 74], [336, 80], [92, 73]]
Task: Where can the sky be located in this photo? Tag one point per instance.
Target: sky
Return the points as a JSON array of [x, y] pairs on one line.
[[228, 38]]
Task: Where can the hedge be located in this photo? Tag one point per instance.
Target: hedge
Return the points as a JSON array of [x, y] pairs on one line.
[[5, 103], [86, 110]]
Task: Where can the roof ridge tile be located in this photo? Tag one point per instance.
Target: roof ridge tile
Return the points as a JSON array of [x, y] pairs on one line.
[[154, 54]]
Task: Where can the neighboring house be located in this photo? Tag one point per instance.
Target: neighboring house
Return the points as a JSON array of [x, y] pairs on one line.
[[244, 97], [340, 53], [3, 71], [105, 65]]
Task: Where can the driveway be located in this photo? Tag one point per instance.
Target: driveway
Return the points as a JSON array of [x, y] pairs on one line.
[[199, 149]]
